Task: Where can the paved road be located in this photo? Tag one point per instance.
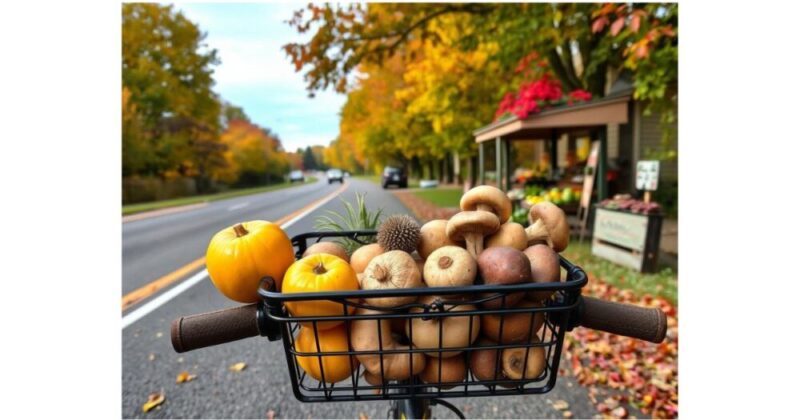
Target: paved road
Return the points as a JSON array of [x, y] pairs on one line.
[[157, 246]]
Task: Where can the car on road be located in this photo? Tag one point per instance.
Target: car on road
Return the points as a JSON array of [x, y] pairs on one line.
[[394, 176], [335, 175], [297, 176]]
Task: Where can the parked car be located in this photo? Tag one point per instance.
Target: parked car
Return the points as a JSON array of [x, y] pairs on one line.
[[394, 176], [297, 176], [335, 175]]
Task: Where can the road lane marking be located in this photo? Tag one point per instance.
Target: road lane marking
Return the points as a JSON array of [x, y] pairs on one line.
[[149, 289], [238, 206], [162, 299], [162, 212]]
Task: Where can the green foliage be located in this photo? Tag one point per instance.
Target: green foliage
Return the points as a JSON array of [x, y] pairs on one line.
[[167, 83], [357, 217]]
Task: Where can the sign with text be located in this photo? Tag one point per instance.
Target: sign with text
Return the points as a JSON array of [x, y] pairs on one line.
[[620, 237], [647, 175]]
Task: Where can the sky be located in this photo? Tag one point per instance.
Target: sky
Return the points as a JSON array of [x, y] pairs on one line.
[[256, 74]]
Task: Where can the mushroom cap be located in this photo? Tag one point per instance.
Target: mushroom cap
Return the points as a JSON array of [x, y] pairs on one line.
[[490, 196], [545, 268], [450, 266], [555, 222], [433, 235], [466, 222], [510, 234]]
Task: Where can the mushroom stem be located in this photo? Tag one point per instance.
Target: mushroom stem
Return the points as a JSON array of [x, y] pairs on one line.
[[474, 243], [538, 232]]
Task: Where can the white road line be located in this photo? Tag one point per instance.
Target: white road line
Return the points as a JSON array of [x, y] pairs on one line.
[[238, 206], [163, 298], [170, 294]]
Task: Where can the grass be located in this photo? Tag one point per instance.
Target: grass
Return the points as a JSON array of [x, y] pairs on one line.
[[663, 283], [184, 201], [442, 197]]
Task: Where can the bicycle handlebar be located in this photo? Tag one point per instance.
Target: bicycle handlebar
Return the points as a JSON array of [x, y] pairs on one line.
[[202, 330], [649, 324]]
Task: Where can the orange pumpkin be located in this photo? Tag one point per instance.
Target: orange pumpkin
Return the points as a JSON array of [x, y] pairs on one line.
[[319, 273], [336, 368], [238, 257]]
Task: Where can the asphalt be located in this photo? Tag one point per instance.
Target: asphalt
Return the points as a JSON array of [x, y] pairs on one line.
[[154, 247]]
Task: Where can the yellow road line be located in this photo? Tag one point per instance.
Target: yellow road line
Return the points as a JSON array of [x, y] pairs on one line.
[[151, 288]]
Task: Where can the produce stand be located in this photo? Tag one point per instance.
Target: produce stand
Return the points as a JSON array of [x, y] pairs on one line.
[[627, 238]]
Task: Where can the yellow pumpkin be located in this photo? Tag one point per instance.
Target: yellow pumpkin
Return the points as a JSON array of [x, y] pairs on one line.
[[336, 368], [319, 273], [238, 257]]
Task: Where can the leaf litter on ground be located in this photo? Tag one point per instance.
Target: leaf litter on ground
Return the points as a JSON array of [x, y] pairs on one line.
[[153, 400], [619, 370]]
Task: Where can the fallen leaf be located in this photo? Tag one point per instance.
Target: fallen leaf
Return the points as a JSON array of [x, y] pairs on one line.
[[159, 334], [153, 400], [362, 416], [270, 414], [184, 377], [619, 412], [567, 414], [238, 367], [151, 357], [561, 405]]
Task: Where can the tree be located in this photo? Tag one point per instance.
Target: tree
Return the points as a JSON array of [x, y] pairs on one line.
[[172, 119], [253, 154], [309, 161], [586, 46]]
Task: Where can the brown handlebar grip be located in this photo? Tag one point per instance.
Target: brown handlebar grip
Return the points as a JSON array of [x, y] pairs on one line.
[[212, 328], [648, 324]]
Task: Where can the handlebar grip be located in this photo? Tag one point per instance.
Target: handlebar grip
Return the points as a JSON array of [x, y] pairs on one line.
[[648, 324], [202, 330]]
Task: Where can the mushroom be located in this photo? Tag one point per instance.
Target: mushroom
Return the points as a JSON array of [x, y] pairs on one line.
[[545, 268], [331, 248], [514, 361], [503, 265], [449, 266], [548, 224], [391, 270], [489, 199], [363, 255], [433, 235], [517, 327], [510, 234], [364, 337], [485, 364], [472, 226], [443, 370], [449, 331]]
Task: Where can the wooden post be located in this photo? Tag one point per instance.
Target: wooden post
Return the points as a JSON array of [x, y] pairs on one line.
[[509, 166], [553, 153], [647, 196], [498, 166], [481, 164], [602, 165]]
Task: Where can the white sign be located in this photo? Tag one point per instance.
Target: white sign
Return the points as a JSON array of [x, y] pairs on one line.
[[647, 175]]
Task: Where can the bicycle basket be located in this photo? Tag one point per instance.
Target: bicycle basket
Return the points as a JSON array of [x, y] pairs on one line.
[[525, 362]]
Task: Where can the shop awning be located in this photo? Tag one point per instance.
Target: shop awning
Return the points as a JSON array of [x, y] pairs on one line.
[[609, 110]]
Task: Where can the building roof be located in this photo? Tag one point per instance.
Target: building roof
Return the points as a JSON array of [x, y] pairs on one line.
[[611, 109]]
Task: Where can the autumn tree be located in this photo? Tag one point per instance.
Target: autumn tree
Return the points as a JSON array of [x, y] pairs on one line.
[[585, 46], [170, 114], [253, 155]]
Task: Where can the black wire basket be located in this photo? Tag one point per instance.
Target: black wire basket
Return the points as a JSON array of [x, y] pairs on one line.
[[533, 358]]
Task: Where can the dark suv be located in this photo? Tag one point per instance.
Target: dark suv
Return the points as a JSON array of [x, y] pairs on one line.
[[396, 176]]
